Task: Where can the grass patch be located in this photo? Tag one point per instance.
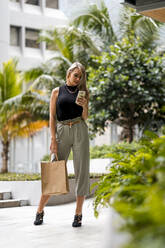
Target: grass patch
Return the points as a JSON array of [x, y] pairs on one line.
[[34, 177]]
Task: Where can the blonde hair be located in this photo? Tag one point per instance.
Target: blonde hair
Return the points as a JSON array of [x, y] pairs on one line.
[[82, 84]]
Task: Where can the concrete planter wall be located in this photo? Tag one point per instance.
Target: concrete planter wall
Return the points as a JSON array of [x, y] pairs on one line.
[[31, 190]]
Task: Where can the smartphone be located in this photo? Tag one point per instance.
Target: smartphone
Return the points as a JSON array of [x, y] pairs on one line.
[[81, 94]]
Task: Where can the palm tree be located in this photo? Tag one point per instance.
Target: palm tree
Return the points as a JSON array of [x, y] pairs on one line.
[[10, 86], [20, 114], [71, 44], [145, 28], [96, 19]]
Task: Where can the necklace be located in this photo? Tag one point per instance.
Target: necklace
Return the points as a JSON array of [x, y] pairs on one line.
[[72, 92]]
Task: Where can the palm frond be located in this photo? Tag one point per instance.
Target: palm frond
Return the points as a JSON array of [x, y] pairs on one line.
[[144, 27], [45, 84], [23, 115], [161, 41], [147, 30], [33, 73], [56, 38], [59, 65], [27, 129], [31, 101], [10, 80], [22, 124], [96, 19], [82, 38], [61, 59]]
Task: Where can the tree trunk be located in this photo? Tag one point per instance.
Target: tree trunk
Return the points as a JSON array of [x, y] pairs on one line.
[[131, 134], [4, 154], [127, 134]]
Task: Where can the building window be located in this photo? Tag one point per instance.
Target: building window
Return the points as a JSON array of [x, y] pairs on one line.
[[15, 1], [33, 2], [52, 4], [49, 47], [32, 36], [15, 36]]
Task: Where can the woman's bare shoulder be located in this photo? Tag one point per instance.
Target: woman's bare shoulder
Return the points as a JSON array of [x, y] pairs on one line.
[[55, 92]]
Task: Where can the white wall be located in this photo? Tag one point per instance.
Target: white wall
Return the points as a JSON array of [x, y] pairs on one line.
[[30, 16], [4, 31]]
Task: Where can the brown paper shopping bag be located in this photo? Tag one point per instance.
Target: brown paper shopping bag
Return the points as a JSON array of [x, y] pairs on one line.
[[54, 178]]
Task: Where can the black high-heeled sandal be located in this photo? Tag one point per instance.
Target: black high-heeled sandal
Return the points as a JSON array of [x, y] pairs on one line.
[[77, 220], [39, 218]]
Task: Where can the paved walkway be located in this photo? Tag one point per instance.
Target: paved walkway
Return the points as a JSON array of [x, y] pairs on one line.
[[17, 229]]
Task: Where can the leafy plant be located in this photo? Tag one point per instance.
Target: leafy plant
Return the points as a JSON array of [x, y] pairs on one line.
[[128, 88], [104, 150], [135, 188]]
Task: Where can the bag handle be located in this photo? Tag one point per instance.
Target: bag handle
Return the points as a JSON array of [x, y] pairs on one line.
[[53, 156]]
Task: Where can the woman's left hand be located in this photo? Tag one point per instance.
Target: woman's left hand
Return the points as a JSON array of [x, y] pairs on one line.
[[82, 101]]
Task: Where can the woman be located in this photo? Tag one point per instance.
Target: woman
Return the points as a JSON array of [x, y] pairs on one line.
[[69, 131]]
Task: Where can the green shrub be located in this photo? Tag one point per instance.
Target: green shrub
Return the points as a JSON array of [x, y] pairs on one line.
[[99, 151], [135, 188], [19, 177], [33, 177], [103, 151], [47, 157]]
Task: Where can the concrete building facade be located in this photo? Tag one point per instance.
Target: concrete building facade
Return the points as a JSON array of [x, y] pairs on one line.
[[21, 22]]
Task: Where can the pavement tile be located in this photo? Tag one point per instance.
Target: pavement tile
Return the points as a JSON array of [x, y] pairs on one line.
[[17, 229]]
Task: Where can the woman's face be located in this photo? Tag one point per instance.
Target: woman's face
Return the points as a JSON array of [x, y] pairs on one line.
[[75, 77]]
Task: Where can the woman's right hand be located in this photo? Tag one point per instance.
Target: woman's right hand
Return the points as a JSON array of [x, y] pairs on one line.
[[53, 146]]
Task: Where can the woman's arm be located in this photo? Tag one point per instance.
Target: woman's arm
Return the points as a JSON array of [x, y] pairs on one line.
[[52, 120], [83, 102], [85, 110]]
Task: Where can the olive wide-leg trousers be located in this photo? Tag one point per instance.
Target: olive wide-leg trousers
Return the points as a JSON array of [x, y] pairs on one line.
[[76, 138]]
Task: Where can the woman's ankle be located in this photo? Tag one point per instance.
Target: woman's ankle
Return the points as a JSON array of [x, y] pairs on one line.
[[39, 211], [78, 212]]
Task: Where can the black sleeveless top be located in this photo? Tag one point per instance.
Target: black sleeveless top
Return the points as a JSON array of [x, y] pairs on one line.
[[66, 108]]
